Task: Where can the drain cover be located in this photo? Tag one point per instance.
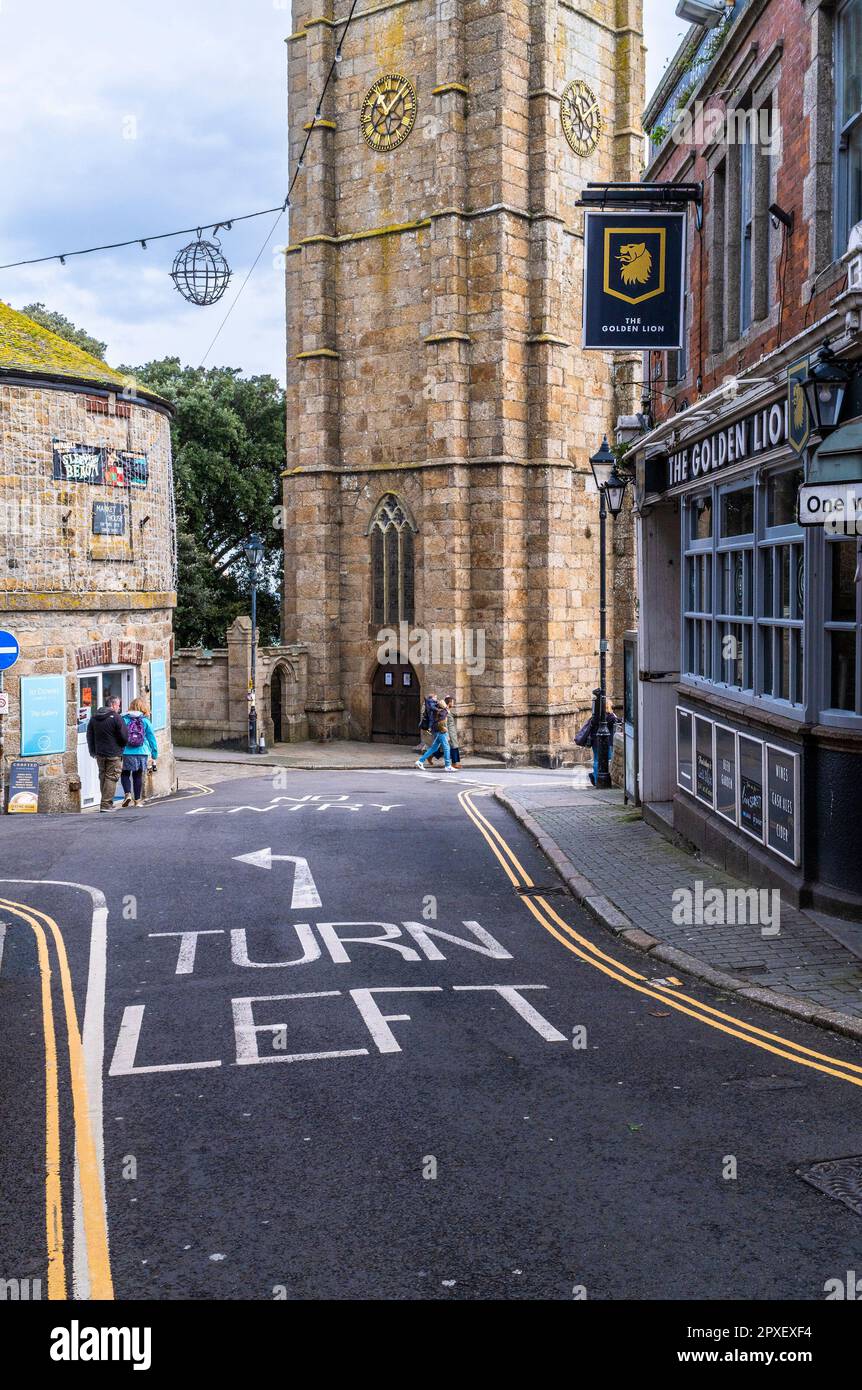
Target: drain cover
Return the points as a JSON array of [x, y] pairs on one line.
[[840, 1178]]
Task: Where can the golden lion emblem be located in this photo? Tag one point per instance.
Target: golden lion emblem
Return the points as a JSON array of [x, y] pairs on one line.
[[636, 263], [798, 406]]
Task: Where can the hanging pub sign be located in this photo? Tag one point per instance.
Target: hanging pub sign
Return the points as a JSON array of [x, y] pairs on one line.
[[94, 463], [634, 280]]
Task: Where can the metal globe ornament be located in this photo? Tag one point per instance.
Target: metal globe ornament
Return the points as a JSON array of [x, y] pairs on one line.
[[200, 271]]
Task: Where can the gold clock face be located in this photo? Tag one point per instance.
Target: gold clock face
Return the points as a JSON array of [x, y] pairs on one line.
[[581, 117], [388, 112]]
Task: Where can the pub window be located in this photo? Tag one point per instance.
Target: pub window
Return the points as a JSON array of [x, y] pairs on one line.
[[698, 583], [848, 121], [735, 596], [743, 589], [392, 560], [843, 626], [782, 590]]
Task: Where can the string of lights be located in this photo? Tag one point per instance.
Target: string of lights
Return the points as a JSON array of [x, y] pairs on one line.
[[225, 223]]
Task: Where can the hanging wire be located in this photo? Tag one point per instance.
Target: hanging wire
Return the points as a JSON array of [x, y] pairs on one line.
[[222, 221]]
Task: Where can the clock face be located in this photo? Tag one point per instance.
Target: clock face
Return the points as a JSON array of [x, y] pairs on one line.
[[388, 112], [581, 117]]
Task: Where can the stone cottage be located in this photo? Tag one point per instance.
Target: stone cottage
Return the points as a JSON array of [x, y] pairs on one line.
[[87, 555]]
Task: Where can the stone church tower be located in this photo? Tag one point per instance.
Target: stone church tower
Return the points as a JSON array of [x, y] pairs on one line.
[[440, 411]]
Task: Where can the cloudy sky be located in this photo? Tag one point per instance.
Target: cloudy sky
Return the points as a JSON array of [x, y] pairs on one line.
[[120, 121]]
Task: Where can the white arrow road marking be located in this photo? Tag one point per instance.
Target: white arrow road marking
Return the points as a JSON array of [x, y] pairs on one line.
[[305, 892], [93, 1043]]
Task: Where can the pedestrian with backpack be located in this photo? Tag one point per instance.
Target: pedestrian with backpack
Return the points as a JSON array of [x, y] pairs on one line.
[[441, 740], [140, 745], [106, 740]]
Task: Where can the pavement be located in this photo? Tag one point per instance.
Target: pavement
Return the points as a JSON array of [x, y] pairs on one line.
[[337, 755], [355, 1038], [626, 873]]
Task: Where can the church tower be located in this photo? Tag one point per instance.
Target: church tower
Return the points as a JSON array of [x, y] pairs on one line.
[[440, 410]]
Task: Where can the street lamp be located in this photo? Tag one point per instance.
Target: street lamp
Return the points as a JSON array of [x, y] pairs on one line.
[[252, 549], [825, 385], [611, 487]]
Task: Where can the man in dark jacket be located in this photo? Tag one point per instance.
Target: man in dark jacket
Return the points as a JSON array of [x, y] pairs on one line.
[[107, 736]]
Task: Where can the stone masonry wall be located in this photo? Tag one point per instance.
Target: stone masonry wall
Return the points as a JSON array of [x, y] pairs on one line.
[[434, 305]]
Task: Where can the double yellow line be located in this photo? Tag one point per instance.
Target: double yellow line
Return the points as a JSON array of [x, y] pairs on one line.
[[584, 949], [92, 1195]]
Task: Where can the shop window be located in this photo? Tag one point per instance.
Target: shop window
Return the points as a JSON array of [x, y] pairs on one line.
[[848, 123], [843, 624]]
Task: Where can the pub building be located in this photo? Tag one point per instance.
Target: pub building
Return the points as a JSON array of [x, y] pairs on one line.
[[750, 638], [87, 560], [749, 690]]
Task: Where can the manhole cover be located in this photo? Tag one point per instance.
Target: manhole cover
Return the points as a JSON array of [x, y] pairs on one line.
[[840, 1178]]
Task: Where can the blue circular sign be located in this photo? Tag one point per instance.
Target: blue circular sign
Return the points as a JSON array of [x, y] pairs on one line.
[[9, 650]]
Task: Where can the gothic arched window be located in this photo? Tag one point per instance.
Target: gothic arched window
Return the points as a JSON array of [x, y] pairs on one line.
[[391, 531]]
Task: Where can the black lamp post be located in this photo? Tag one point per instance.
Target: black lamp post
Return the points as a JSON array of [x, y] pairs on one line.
[[825, 385], [253, 552], [611, 487]]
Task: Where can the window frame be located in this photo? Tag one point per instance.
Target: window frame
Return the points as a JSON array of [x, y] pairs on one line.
[[847, 128], [753, 620]]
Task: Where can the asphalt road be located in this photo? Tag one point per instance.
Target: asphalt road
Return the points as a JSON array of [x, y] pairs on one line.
[[521, 1112]]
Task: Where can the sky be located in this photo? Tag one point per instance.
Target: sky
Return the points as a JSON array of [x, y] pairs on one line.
[[121, 121]]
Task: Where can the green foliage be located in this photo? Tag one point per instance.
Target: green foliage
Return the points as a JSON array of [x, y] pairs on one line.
[[59, 324], [229, 453]]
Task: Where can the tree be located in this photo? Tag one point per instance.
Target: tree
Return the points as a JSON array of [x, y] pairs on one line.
[[229, 453], [59, 324]]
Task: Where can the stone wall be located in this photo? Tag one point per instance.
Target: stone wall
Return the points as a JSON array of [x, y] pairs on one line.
[[210, 704], [433, 352]]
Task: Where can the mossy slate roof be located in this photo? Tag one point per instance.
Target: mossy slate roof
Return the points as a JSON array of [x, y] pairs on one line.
[[26, 346]]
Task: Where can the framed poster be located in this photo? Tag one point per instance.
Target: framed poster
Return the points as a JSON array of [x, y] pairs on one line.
[[782, 802], [726, 774], [43, 715], [158, 695], [704, 761], [684, 746], [750, 786]]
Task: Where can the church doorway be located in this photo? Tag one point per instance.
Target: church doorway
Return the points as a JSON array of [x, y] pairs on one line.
[[276, 704], [395, 704]]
